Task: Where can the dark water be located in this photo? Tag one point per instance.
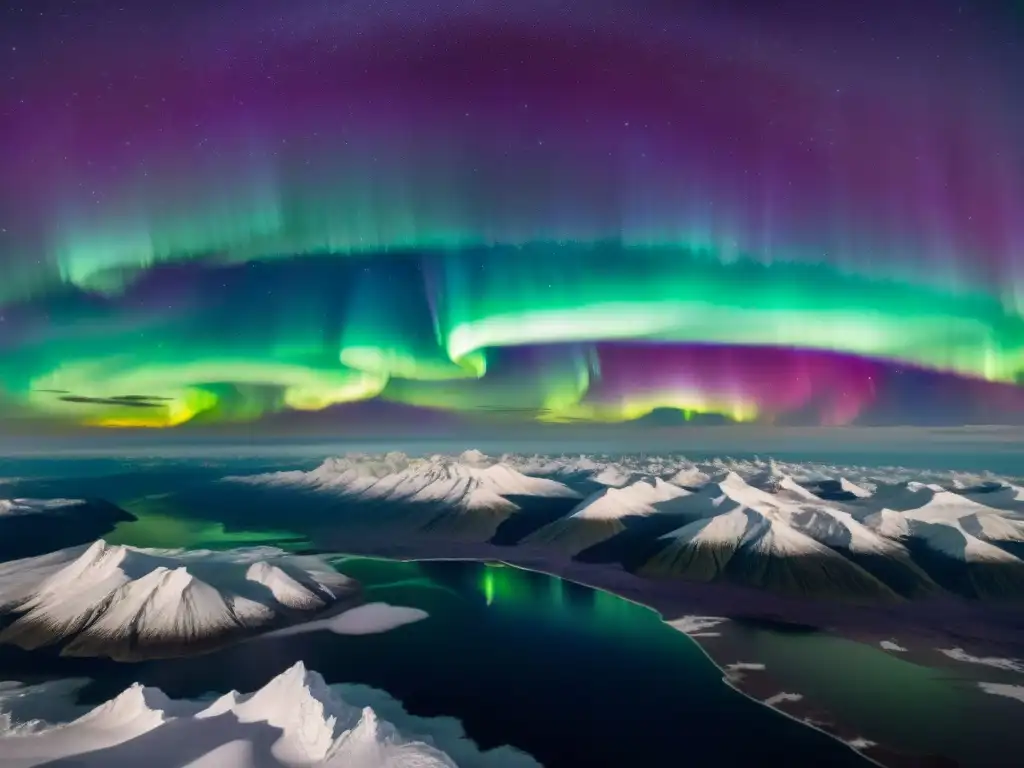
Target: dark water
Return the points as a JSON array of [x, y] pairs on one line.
[[571, 675], [907, 706]]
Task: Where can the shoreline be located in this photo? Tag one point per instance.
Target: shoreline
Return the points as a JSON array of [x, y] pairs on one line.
[[716, 643]]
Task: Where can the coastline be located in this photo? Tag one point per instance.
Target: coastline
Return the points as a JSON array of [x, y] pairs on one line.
[[717, 642]]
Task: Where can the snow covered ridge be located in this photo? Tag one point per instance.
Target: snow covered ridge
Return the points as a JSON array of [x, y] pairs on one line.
[[131, 604], [470, 481], [815, 530], [12, 507], [683, 471], [515, 474], [295, 720]]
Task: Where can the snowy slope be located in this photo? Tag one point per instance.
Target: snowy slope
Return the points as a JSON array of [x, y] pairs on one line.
[[953, 524], [952, 540], [1005, 496], [467, 496], [839, 529], [296, 719], [638, 498], [612, 476], [760, 549], [853, 489], [945, 506], [690, 477], [469, 481], [916, 531], [789, 489], [603, 515], [129, 603]]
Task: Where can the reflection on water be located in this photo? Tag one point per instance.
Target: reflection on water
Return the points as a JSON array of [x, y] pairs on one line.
[[569, 674], [158, 525], [572, 675]]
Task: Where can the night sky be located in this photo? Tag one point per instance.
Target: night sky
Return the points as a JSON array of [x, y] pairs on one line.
[[426, 213]]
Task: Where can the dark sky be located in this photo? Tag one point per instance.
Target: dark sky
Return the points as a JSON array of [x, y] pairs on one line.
[[435, 217]]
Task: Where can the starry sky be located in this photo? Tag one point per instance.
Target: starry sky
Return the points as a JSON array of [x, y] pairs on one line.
[[369, 216]]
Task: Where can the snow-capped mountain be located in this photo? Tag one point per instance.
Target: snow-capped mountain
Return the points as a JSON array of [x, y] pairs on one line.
[[296, 719], [605, 514], [952, 523], [789, 489], [791, 540], [639, 498], [130, 604], [1004, 496], [690, 477], [845, 486], [873, 531], [469, 481], [761, 549], [469, 494]]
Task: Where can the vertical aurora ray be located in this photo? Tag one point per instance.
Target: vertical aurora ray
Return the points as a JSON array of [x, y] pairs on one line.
[[388, 327], [399, 204]]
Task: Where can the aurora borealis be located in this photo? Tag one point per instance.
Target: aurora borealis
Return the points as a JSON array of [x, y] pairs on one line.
[[549, 211]]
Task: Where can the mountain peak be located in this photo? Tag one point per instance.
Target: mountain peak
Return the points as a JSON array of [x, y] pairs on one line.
[[300, 703], [130, 603], [733, 478], [312, 724], [137, 706], [474, 457]]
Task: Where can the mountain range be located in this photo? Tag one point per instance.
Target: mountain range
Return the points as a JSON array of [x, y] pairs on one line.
[[132, 604], [851, 533], [466, 496], [296, 719]]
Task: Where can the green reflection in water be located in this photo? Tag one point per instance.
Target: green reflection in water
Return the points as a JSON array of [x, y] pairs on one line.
[[489, 583], [517, 590], [392, 580], [158, 526], [380, 572]]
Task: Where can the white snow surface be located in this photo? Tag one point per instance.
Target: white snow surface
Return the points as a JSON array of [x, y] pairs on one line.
[[879, 511], [889, 645], [860, 743], [367, 619], [1001, 689], [105, 600], [468, 481], [12, 507], [782, 698], [696, 626], [1009, 665], [639, 498], [852, 488], [884, 507], [294, 720]]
